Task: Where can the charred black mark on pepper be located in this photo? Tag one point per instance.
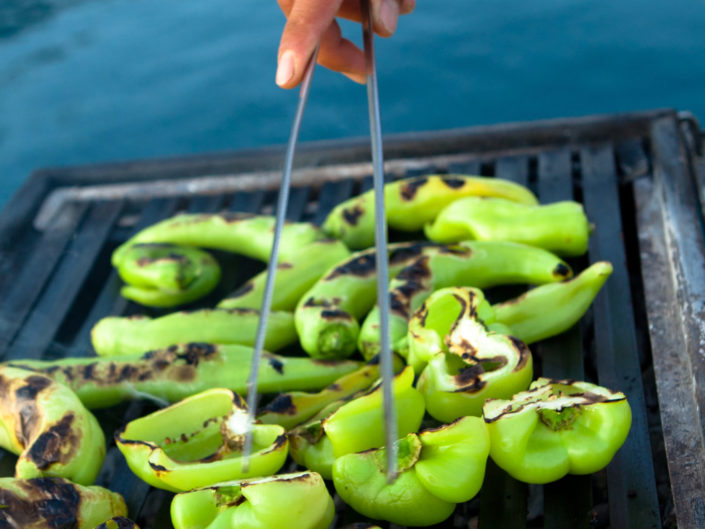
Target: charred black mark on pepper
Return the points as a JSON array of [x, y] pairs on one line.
[[524, 352], [117, 522], [414, 280], [52, 502], [276, 364], [335, 314], [409, 188], [283, 405], [58, 444], [280, 441], [402, 253], [360, 266], [157, 468], [352, 215], [244, 289], [469, 379], [453, 182], [334, 387], [34, 385], [326, 303], [561, 270]]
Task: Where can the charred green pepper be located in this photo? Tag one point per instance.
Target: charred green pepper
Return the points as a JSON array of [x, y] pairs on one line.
[[437, 469], [294, 277], [293, 408], [411, 203], [472, 263], [179, 371], [555, 428], [49, 503], [131, 335], [474, 364], [561, 227], [164, 268], [354, 425], [166, 275], [199, 441], [44, 423], [294, 501]]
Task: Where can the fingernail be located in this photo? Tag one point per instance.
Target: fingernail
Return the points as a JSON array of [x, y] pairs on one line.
[[285, 70], [389, 15]]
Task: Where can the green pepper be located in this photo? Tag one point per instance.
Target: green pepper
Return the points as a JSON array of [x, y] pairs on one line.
[[561, 227], [131, 335], [169, 270], [50, 503], [294, 277], [411, 203], [165, 275], [294, 501], [551, 309], [295, 407], [199, 441], [474, 364], [354, 425], [47, 426], [327, 315], [555, 428], [437, 469], [472, 263], [118, 522], [182, 370]]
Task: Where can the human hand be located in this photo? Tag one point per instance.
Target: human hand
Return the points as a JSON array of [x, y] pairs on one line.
[[311, 21]]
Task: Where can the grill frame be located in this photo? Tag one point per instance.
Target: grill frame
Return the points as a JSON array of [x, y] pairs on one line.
[[637, 173]]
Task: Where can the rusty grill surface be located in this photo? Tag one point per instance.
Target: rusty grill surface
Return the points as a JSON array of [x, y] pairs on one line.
[[636, 174]]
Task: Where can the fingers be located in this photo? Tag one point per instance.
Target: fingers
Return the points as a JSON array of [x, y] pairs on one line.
[[311, 21]]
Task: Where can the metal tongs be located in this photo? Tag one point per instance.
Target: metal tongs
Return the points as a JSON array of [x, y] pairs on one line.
[[386, 361]]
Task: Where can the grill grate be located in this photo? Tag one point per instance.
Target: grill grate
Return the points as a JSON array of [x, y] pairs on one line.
[[55, 283]]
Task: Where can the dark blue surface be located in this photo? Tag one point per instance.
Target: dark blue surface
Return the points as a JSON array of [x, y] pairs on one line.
[[89, 81]]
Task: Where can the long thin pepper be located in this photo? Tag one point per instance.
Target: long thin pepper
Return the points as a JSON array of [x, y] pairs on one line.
[[387, 367], [282, 203]]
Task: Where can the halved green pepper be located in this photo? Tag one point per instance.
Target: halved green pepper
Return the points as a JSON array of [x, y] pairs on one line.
[[475, 364], [199, 442], [561, 227], [437, 469], [294, 501], [413, 202], [116, 335], [557, 427], [182, 370], [354, 425]]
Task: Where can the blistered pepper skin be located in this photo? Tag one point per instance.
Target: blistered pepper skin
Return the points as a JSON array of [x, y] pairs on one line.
[[166, 275], [548, 310], [555, 428], [294, 501], [118, 522], [164, 267], [476, 364], [117, 335], [561, 227], [411, 203], [199, 442], [437, 469], [294, 277], [355, 425], [179, 371], [478, 264], [46, 425], [48, 503]]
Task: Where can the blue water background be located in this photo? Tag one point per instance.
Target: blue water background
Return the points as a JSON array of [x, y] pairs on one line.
[[89, 81]]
